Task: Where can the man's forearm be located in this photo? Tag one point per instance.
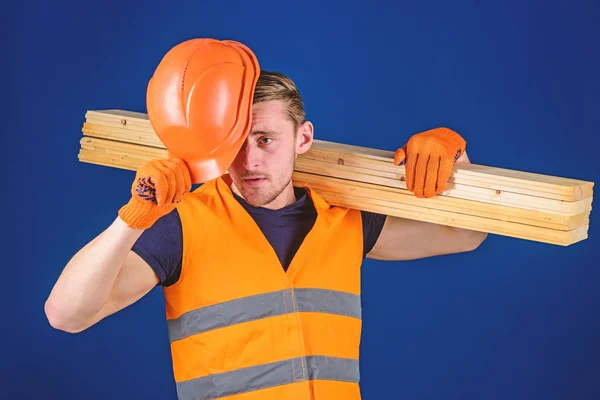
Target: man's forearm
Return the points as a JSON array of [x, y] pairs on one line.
[[465, 239]]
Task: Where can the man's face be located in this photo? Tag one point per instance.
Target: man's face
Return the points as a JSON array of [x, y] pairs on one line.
[[262, 171]]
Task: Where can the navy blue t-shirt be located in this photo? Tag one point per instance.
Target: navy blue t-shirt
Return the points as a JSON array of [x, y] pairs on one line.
[[161, 246]]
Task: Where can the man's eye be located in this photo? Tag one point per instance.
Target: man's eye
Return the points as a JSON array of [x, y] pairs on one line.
[[266, 140]]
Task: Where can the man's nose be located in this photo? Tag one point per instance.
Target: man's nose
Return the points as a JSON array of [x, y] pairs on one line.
[[250, 156]]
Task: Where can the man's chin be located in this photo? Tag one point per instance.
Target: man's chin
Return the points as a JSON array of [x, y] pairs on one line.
[[258, 197]]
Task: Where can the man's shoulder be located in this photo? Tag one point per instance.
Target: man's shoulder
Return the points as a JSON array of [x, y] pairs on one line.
[[199, 194], [169, 222]]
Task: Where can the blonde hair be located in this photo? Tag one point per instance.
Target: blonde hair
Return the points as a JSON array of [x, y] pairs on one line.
[[276, 86]]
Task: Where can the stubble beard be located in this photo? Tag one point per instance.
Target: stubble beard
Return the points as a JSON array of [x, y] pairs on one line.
[[262, 196]]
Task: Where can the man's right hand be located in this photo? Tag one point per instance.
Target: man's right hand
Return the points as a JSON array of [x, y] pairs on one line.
[[158, 186]]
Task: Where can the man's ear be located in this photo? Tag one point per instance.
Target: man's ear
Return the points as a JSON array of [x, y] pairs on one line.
[[304, 137]]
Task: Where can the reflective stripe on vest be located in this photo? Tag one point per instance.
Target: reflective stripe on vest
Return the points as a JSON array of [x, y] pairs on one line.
[[269, 375], [263, 306]]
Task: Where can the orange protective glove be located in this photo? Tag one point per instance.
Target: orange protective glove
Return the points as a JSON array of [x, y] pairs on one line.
[[429, 157], [158, 186]]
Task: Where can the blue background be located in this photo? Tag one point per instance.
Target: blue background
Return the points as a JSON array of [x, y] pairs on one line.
[[513, 320]]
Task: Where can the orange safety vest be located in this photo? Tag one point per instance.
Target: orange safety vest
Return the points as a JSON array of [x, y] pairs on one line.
[[241, 326]]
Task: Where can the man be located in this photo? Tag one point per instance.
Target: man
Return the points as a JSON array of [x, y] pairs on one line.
[[261, 278]]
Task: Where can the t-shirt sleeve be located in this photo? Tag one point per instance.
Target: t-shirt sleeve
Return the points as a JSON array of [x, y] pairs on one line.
[[372, 224], [161, 246]]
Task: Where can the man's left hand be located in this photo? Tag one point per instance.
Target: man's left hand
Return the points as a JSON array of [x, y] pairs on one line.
[[428, 158]]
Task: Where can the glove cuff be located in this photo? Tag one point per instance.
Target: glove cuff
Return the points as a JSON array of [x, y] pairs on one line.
[[138, 215]]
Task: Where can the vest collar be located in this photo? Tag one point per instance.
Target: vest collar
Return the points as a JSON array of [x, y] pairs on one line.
[[254, 235], [224, 182]]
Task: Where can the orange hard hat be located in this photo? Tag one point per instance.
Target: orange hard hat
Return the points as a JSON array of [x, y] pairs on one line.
[[199, 103]]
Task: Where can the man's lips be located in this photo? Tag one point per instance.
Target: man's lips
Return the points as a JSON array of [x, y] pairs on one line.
[[253, 181]]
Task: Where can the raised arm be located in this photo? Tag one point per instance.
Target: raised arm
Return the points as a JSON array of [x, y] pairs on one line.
[[428, 157], [102, 278], [105, 276]]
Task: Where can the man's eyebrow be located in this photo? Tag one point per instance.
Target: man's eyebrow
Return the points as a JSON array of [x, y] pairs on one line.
[[265, 132]]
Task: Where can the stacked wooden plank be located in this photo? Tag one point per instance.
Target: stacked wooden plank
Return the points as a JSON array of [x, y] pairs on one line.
[[499, 201]]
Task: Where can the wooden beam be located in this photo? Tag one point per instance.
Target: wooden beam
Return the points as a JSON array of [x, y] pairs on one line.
[[519, 204], [139, 130]]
